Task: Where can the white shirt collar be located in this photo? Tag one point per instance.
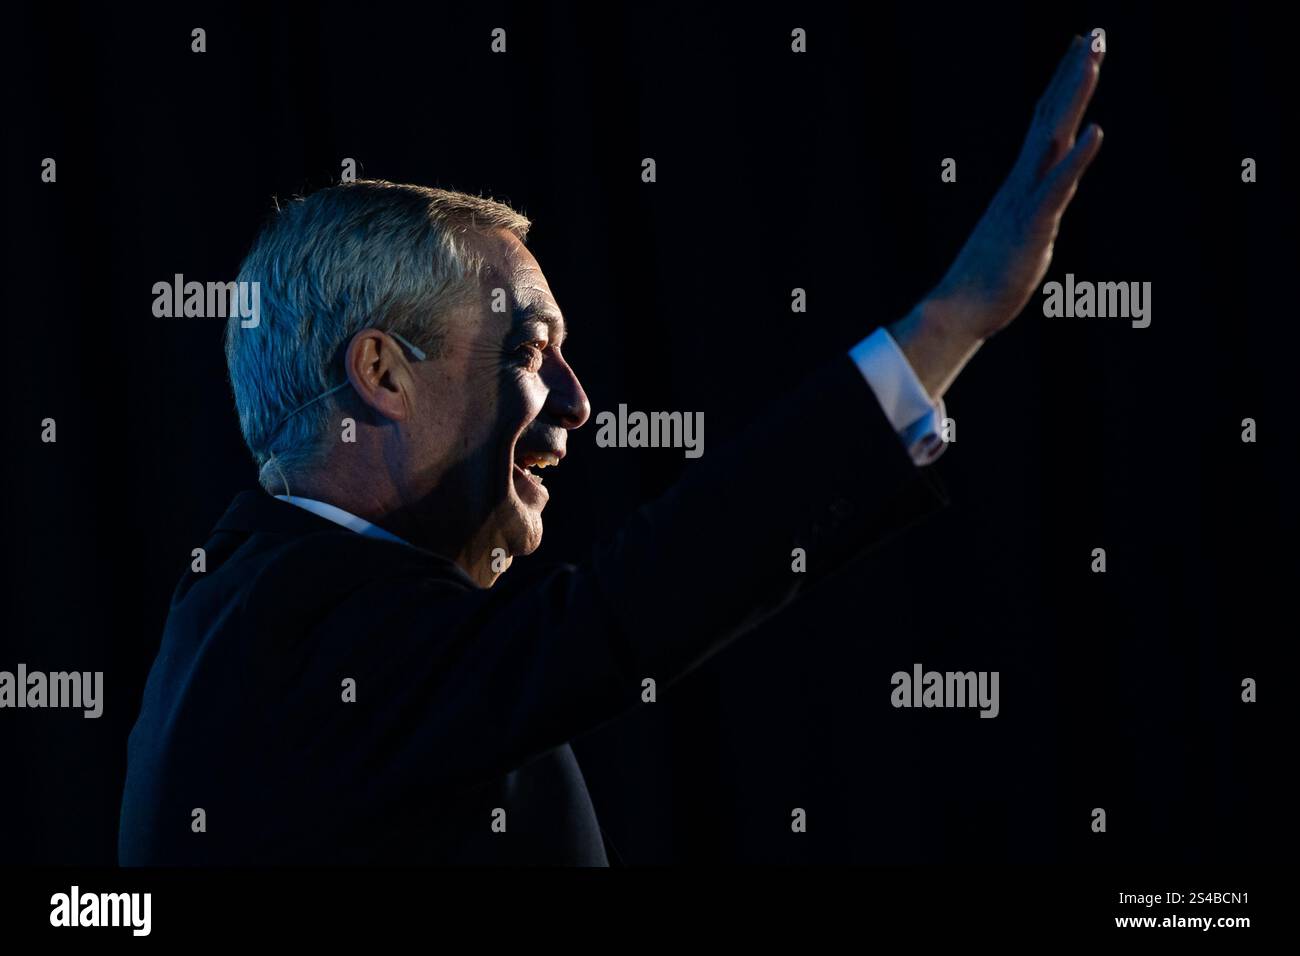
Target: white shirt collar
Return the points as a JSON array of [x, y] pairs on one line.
[[340, 517]]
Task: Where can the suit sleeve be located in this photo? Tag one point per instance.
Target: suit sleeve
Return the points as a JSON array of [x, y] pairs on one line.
[[460, 685]]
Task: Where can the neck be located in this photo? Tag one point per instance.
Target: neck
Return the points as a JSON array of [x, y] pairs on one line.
[[381, 505]]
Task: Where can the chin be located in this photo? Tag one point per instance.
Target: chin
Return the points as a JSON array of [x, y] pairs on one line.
[[523, 529], [530, 540], [520, 513]]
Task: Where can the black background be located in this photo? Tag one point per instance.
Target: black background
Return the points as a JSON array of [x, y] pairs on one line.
[[775, 170]]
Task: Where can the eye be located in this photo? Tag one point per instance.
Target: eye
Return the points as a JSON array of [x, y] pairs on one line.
[[531, 352]]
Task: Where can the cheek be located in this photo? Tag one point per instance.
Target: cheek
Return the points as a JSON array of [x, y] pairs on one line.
[[536, 391], [521, 401], [489, 425], [461, 438]]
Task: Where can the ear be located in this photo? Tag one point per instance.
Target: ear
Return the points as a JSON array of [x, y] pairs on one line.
[[380, 374]]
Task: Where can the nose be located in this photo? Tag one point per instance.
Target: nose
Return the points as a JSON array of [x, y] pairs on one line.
[[566, 400]]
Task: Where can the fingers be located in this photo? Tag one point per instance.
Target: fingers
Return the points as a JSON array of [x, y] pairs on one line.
[[1060, 109], [1064, 178], [1076, 102], [1052, 93]]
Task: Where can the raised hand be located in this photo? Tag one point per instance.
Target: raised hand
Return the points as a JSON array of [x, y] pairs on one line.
[[1007, 254]]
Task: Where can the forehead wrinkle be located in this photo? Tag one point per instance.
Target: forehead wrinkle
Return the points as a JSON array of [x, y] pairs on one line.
[[533, 300], [533, 303]]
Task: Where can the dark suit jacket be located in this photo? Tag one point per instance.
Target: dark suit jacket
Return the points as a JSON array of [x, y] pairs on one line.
[[466, 697]]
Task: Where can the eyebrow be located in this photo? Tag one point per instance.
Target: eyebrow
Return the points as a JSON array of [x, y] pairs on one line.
[[553, 321]]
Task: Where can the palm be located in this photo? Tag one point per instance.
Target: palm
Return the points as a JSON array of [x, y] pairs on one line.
[[1008, 253]]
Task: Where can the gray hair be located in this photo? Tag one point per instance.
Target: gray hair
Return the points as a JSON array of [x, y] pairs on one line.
[[367, 254]]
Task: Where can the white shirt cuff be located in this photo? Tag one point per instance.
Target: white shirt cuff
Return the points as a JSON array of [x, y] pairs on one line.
[[906, 403]]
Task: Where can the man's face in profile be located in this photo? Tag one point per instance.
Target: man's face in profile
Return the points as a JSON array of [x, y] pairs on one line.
[[501, 401]]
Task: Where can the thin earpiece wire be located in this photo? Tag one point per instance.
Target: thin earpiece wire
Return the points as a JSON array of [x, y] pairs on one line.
[[418, 352]]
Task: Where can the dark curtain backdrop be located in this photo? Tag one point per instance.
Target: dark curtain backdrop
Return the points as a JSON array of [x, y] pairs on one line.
[[775, 171]]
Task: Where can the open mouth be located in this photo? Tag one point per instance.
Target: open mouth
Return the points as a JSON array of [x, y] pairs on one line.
[[528, 466], [531, 463]]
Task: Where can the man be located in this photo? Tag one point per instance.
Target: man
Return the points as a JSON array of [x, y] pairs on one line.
[[353, 678]]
